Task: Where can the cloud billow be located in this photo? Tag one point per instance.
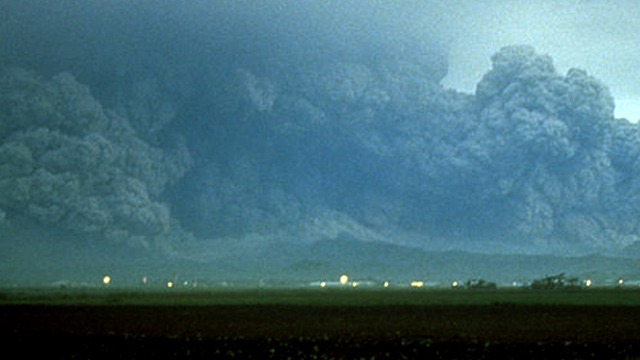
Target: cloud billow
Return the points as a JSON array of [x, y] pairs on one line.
[[252, 123], [69, 164], [532, 159], [542, 147]]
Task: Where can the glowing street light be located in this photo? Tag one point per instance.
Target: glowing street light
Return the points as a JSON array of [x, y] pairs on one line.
[[106, 280], [385, 284], [169, 284], [344, 279], [588, 283]]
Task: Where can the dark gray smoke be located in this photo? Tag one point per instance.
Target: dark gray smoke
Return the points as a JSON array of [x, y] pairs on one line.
[[213, 127], [65, 162]]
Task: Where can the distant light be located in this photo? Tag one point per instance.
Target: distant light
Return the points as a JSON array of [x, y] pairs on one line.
[[344, 279], [385, 284], [145, 280], [454, 284], [354, 284], [417, 284], [588, 283], [323, 284], [621, 282], [170, 284], [106, 280]]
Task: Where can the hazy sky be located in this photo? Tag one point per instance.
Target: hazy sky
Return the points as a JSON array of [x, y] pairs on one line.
[[596, 35]]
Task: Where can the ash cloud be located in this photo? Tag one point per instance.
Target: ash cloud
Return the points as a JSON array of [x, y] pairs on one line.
[[67, 163], [216, 127]]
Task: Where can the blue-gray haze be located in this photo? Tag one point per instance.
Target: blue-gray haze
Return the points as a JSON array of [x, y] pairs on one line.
[[209, 130]]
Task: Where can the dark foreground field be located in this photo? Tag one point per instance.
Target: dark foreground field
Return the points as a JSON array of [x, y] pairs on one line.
[[353, 327]]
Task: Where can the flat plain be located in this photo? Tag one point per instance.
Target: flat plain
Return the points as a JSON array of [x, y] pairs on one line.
[[322, 323]]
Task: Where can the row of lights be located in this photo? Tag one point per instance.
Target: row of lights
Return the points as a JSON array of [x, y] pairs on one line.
[[106, 280], [344, 280]]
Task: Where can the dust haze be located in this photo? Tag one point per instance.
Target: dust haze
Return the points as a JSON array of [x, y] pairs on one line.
[[223, 133]]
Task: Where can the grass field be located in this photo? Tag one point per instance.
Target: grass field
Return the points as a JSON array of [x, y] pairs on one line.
[[318, 297], [322, 323]]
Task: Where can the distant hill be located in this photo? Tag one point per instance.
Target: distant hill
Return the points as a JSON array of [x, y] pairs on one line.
[[632, 251], [327, 259], [36, 261]]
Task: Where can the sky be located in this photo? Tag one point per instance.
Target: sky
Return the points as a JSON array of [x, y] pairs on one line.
[[598, 36]]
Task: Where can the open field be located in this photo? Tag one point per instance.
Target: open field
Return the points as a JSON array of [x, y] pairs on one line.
[[324, 324], [307, 296]]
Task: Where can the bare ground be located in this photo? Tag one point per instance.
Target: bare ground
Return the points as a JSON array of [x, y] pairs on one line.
[[323, 332]]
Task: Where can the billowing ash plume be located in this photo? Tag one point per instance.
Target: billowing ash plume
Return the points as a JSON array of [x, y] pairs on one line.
[[298, 132], [541, 147], [67, 163], [534, 159]]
